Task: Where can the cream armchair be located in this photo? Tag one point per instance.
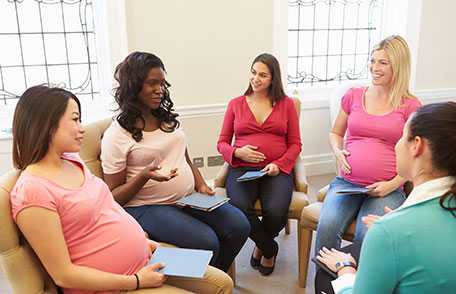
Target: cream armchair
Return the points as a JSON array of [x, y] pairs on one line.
[[298, 201]]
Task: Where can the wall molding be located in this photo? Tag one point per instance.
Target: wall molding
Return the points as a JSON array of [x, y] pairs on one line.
[[204, 110]]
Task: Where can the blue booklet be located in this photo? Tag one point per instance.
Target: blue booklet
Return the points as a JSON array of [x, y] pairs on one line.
[[354, 191], [180, 262], [251, 175], [202, 201]]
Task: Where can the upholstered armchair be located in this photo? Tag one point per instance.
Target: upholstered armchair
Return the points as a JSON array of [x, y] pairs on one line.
[[298, 201]]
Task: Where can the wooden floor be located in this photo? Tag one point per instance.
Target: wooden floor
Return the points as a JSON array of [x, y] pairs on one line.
[[283, 280]]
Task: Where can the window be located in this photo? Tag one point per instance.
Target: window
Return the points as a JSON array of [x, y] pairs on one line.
[[330, 41], [47, 41]]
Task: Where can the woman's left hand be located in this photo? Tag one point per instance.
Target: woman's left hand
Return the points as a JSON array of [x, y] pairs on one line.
[[205, 189], [333, 256], [381, 189], [271, 169], [152, 246]]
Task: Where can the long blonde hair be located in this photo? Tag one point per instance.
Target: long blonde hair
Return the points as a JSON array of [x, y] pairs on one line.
[[398, 53]]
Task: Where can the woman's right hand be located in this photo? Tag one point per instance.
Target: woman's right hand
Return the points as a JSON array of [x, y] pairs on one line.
[[248, 154], [150, 173], [341, 157], [149, 277]]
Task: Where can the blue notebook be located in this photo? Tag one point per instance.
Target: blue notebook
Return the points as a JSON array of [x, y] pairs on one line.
[[251, 175], [354, 191], [180, 262], [202, 201]]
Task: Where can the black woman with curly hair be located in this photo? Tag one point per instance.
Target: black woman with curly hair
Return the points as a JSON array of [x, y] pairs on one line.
[[147, 167]]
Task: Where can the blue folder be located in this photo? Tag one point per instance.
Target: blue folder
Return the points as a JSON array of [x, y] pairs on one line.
[[202, 201], [180, 262], [251, 175]]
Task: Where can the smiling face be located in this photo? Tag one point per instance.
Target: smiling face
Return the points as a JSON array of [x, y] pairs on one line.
[[69, 134], [260, 77], [153, 88], [381, 69]]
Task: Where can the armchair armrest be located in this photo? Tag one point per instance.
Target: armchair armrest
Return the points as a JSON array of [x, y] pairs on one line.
[[322, 193], [300, 177], [219, 180]]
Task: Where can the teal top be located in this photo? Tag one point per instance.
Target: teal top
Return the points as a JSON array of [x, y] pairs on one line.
[[412, 250]]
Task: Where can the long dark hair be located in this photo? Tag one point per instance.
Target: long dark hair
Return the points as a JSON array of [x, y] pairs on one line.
[[35, 121], [436, 123], [130, 75], [275, 91]]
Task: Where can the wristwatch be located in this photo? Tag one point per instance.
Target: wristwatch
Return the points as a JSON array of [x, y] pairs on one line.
[[341, 264]]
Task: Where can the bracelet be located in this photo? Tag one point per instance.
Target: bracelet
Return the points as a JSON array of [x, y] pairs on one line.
[[137, 281], [341, 264]]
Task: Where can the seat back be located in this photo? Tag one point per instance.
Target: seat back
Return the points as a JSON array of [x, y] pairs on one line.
[[91, 145], [20, 265]]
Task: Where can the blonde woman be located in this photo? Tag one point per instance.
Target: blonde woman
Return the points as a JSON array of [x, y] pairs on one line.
[[371, 119]]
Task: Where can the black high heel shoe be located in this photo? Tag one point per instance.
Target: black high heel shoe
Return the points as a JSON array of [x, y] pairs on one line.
[[255, 262], [267, 270]]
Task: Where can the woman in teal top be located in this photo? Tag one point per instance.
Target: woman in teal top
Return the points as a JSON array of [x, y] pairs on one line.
[[411, 249]]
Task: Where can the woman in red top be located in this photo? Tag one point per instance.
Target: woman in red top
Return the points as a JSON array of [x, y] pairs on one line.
[[265, 125]]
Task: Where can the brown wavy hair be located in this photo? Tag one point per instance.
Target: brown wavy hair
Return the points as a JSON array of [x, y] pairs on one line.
[[130, 75]]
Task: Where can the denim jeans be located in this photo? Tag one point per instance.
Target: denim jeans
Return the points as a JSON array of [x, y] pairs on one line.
[[223, 230], [275, 196], [340, 210]]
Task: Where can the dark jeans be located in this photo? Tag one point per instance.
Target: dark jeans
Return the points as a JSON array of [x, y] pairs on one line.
[[275, 196], [223, 230], [323, 279]]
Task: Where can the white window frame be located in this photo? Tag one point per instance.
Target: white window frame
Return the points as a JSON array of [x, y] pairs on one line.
[[112, 47], [400, 17]]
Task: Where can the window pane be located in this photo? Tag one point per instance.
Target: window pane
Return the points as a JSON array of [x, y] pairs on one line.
[[11, 50], [29, 17], [52, 17], [13, 79], [8, 18], [58, 75], [32, 47], [36, 75], [55, 49], [73, 21], [77, 47]]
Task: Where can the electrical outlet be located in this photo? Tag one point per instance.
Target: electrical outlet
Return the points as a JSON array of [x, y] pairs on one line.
[[198, 161], [215, 160]]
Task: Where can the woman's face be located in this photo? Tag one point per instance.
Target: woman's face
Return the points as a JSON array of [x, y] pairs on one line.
[[153, 88], [260, 77], [69, 134], [381, 69], [404, 156]]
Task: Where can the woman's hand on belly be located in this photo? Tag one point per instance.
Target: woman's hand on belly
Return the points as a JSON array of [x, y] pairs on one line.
[[248, 154], [342, 163], [272, 169]]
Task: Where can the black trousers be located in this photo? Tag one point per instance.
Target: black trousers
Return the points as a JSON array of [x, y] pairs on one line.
[[323, 279], [275, 196]]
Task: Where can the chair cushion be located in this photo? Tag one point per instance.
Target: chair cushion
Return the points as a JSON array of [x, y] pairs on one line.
[[298, 201], [311, 214]]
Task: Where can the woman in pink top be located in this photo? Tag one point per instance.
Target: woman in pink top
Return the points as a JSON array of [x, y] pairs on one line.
[[265, 124], [85, 240], [371, 119], [146, 165]]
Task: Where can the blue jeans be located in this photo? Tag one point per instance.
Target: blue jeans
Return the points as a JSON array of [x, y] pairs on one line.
[[275, 196], [340, 210], [223, 230]]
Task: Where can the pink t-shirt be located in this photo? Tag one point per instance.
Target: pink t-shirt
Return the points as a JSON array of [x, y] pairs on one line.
[[120, 151], [370, 139], [97, 231]]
